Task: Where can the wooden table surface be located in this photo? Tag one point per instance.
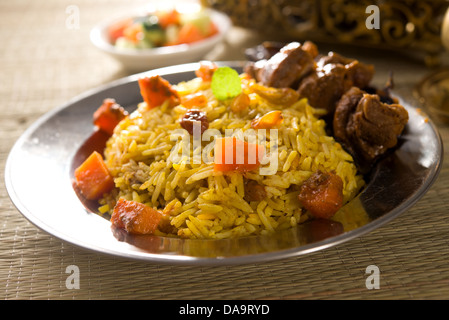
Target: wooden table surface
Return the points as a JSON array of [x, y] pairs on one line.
[[44, 63]]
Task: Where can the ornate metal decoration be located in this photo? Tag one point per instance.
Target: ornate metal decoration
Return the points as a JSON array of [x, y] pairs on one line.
[[404, 24]]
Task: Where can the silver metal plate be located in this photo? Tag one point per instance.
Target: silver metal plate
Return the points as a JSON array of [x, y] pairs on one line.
[[39, 173]]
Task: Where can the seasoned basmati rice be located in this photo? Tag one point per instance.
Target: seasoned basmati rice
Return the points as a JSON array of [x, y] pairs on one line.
[[204, 203]]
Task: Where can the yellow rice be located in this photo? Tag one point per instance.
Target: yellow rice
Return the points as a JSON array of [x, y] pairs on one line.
[[203, 203]]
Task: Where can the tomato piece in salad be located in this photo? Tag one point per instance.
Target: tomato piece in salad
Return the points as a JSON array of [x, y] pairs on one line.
[[167, 18], [117, 29], [134, 33], [189, 33]]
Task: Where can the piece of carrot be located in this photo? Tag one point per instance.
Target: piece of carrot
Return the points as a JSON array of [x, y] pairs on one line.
[[194, 100], [93, 178], [135, 217], [322, 194], [206, 70], [108, 115], [232, 154], [156, 90], [269, 120]]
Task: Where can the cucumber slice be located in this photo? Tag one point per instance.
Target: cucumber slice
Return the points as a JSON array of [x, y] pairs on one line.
[[153, 32]]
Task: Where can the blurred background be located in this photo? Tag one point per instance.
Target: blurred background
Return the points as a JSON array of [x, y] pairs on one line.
[[411, 26]]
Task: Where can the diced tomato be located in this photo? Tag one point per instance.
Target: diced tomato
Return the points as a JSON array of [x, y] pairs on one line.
[[135, 217], [206, 70], [93, 178], [108, 115], [269, 120], [189, 33], [117, 30], [232, 154], [155, 91], [194, 100], [171, 17]]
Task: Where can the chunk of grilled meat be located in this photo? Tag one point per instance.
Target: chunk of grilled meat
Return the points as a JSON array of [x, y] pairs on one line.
[[333, 76], [360, 74], [285, 68], [366, 126], [324, 87]]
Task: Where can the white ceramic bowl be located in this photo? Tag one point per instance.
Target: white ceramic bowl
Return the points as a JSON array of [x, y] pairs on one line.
[[137, 60]]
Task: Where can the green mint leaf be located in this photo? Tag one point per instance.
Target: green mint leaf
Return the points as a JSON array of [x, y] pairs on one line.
[[226, 83]]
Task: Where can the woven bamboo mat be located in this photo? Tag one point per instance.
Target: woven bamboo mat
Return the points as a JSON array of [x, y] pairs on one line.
[[44, 63]]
